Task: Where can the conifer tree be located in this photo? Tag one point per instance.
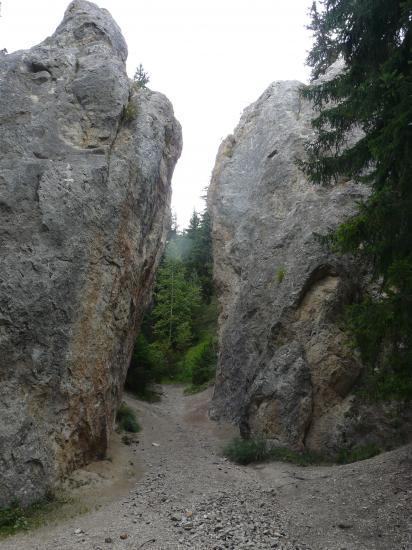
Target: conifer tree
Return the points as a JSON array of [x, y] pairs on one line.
[[200, 258], [141, 77], [178, 333], [177, 301], [373, 93]]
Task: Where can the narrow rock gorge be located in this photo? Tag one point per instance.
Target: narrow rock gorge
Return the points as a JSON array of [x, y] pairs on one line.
[[85, 170], [286, 367]]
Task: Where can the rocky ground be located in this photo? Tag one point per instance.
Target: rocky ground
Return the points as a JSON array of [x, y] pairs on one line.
[[190, 497]]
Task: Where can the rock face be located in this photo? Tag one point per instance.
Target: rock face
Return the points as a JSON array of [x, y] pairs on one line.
[[286, 369], [85, 169]]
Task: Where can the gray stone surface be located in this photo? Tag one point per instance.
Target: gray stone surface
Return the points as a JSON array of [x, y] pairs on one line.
[[285, 369], [85, 169]]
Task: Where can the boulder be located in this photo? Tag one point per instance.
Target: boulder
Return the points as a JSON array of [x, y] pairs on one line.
[[286, 368], [85, 170]]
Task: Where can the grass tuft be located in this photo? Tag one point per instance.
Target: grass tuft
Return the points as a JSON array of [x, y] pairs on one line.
[[280, 274], [346, 456], [17, 518], [126, 419], [305, 458], [12, 519], [129, 112], [247, 451]]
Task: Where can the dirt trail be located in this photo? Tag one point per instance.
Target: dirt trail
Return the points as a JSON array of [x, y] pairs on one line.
[[179, 493]]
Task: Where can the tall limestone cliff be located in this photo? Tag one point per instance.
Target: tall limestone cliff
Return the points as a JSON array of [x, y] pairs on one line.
[[85, 169], [286, 370]]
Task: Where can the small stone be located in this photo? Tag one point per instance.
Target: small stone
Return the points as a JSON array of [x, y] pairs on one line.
[[123, 536]]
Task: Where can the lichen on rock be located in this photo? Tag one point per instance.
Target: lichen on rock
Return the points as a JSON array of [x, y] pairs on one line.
[[84, 207]]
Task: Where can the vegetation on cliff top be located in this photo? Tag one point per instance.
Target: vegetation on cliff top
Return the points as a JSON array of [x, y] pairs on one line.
[[372, 94]]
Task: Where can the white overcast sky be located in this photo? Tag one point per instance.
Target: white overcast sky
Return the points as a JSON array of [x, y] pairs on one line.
[[211, 58]]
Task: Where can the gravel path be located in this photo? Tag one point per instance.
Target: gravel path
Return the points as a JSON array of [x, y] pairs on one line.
[[189, 497]]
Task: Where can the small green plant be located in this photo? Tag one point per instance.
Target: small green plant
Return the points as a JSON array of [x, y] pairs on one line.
[[129, 112], [12, 519], [346, 456], [229, 145], [205, 367], [304, 458], [141, 77], [15, 517], [198, 365], [247, 451], [145, 369], [280, 274], [126, 419]]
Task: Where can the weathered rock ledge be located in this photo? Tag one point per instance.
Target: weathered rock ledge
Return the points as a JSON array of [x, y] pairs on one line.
[[85, 170], [286, 371]]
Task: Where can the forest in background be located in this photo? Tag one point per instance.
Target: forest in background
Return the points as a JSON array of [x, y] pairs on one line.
[[371, 96], [177, 341]]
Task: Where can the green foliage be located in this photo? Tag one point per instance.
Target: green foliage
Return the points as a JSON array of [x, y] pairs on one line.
[[141, 77], [189, 361], [12, 519], [177, 302], [126, 419], [372, 94], [129, 112], [200, 259], [177, 340], [346, 456], [247, 451], [146, 367], [281, 454], [280, 274], [374, 332], [199, 362], [16, 518], [205, 366]]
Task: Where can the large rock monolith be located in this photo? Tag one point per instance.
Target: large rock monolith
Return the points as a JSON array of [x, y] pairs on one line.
[[85, 170], [286, 368]]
